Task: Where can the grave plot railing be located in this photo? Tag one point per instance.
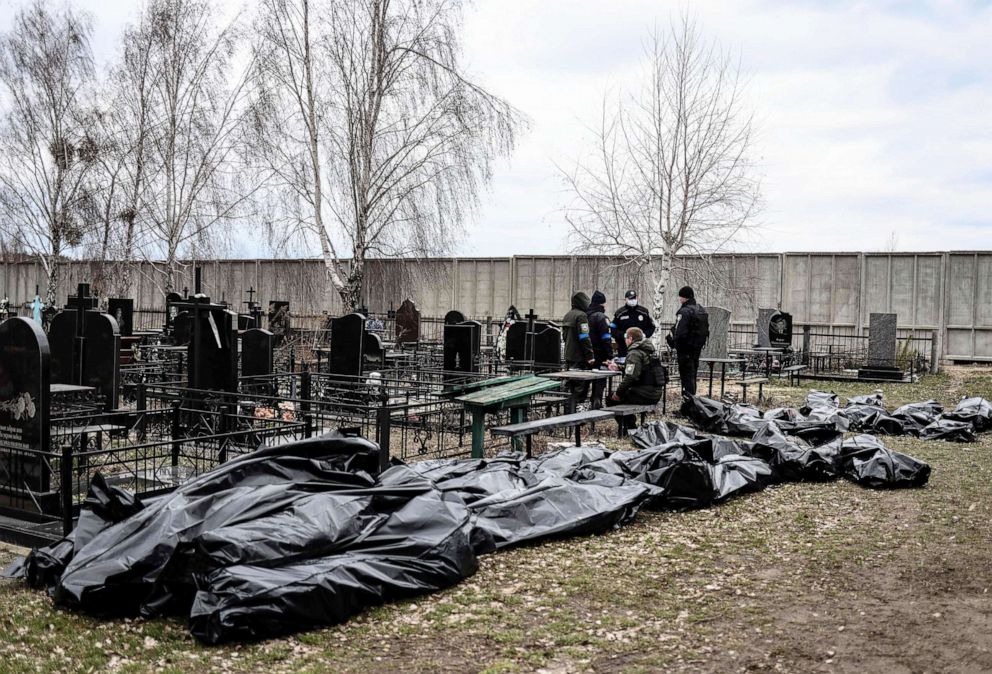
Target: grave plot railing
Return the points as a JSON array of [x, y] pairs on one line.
[[828, 351], [145, 451]]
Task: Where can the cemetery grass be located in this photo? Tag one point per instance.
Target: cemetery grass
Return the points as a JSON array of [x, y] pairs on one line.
[[801, 577]]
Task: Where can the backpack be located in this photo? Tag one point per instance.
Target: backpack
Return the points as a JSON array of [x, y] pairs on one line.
[[655, 374], [699, 327]]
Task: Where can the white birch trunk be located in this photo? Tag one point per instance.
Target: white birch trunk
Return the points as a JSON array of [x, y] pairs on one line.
[[661, 275]]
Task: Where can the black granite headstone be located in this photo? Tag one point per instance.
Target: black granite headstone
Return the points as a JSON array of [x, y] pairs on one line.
[[347, 345], [780, 330], [182, 328], [213, 349], [454, 317], [516, 341], [171, 311], [462, 343], [24, 405], [374, 356], [122, 309], [280, 323], [547, 346], [257, 347], [101, 357], [61, 341], [407, 323]]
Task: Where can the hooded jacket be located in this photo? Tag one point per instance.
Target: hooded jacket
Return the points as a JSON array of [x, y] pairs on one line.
[[643, 373], [599, 329], [575, 331]]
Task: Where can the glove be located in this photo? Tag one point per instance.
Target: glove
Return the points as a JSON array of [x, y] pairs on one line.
[[670, 341]]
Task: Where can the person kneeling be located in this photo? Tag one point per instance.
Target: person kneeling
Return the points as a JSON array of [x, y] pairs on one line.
[[644, 377]]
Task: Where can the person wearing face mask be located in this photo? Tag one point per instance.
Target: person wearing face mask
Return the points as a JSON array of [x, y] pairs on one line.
[[631, 315]]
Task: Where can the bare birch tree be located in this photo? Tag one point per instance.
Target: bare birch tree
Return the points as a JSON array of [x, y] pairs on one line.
[[124, 125], [374, 133], [45, 151], [670, 172], [193, 109]]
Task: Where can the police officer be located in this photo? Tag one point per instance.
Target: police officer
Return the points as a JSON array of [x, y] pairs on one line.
[[631, 315], [602, 343], [643, 376], [687, 337], [578, 346]]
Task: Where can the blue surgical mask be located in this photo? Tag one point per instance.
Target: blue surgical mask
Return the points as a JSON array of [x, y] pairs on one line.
[[632, 303]]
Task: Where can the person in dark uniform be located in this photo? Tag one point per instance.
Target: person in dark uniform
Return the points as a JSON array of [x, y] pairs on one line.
[[602, 343], [644, 376], [687, 337], [578, 345], [631, 315]]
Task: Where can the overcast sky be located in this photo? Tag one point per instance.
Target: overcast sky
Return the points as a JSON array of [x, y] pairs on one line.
[[873, 117]]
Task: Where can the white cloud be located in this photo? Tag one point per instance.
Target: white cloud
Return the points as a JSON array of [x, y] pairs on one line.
[[873, 116]]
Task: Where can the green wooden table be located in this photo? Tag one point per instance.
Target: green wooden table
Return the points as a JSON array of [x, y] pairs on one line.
[[514, 396], [452, 390]]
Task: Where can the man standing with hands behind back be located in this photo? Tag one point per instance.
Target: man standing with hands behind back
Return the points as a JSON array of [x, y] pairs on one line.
[[687, 337]]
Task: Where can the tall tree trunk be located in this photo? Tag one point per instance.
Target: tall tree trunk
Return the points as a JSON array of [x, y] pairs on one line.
[[53, 281], [661, 276]]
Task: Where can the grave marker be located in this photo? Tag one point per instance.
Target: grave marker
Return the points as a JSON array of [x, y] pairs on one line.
[[347, 345], [882, 338], [213, 347], [780, 330], [717, 345], [761, 326], [407, 323], [462, 342], [280, 323], [171, 310], [101, 357], [257, 350], [24, 405], [122, 309]]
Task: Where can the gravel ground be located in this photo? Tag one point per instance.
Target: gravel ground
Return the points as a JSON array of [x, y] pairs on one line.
[[801, 577]]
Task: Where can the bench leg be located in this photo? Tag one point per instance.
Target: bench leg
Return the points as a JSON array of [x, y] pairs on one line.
[[578, 435], [743, 393], [761, 393], [518, 415], [478, 432], [528, 445]]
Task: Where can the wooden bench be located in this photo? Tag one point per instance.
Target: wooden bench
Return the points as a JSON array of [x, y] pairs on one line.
[[514, 396], [794, 372], [575, 420], [744, 383], [621, 411]]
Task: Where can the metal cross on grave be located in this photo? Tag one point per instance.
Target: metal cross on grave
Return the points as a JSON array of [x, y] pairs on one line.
[[529, 336]]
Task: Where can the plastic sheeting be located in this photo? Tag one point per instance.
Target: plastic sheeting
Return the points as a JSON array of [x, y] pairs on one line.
[[514, 500], [290, 539], [865, 460], [104, 506], [976, 411], [656, 433], [795, 459], [821, 414], [265, 544]]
